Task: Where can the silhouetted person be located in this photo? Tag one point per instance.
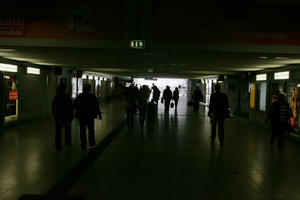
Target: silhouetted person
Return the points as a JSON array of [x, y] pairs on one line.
[[218, 110], [279, 114], [131, 93], [197, 97], [156, 94], [151, 111], [62, 110], [143, 96], [87, 109], [176, 96], [167, 96]]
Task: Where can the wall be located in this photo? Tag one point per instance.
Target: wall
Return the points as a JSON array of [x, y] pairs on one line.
[[236, 89], [34, 98]]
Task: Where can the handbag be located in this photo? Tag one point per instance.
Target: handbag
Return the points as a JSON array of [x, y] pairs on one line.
[[172, 105]]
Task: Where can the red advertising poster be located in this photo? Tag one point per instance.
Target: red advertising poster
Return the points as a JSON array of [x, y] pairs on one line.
[[13, 95], [11, 98], [93, 19]]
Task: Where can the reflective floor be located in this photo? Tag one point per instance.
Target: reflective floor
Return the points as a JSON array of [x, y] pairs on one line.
[[30, 163], [174, 159], [170, 159]]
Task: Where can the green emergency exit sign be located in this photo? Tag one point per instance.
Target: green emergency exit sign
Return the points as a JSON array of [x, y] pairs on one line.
[[137, 44]]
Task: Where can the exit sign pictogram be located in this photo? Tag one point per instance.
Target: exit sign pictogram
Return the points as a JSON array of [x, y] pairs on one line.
[[137, 44]]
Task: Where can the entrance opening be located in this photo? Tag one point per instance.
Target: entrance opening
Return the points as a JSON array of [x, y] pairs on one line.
[[161, 83]]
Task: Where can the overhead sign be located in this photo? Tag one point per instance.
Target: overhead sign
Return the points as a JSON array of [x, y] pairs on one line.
[[32, 70], [281, 75], [261, 77], [137, 44]]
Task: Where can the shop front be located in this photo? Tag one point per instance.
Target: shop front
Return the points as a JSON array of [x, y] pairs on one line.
[[9, 93]]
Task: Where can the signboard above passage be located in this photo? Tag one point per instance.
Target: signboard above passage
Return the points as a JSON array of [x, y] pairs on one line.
[[137, 44]]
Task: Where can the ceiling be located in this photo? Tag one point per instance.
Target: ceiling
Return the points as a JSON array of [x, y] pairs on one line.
[[186, 62], [184, 39]]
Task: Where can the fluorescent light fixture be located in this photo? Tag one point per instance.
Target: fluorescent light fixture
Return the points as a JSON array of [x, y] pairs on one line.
[[8, 67], [261, 77], [281, 75], [262, 57], [7, 50], [298, 85], [281, 58], [32, 70], [91, 77], [84, 76]]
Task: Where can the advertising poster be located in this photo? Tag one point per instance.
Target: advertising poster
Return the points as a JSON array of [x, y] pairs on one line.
[[92, 19], [262, 96], [11, 97], [294, 102], [252, 95]]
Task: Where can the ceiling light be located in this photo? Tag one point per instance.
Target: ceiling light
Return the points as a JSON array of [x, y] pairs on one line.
[[281, 58], [7, 50], [262, 57]]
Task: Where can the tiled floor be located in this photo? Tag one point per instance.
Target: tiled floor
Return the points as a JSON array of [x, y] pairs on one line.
[[172, 159], [30, 163]]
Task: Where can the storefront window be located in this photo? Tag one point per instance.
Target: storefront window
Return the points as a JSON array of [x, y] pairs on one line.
[[11, 98]]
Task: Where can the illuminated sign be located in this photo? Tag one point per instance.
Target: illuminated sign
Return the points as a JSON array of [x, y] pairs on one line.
[[84, 76], [31, 70], [137, 44], [8, 67], [261, 77], [281, 75], [13, 95]]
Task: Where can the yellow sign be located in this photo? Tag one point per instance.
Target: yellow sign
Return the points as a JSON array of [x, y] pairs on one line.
[[252, 95]]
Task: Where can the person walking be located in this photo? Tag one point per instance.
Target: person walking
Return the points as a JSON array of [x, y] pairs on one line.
[[167, 96], [156, 94], [218, 111], [197, 97], [142, 103], [131, 95], [176, 97], [279, 115], [62, 110], [87, 109]]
